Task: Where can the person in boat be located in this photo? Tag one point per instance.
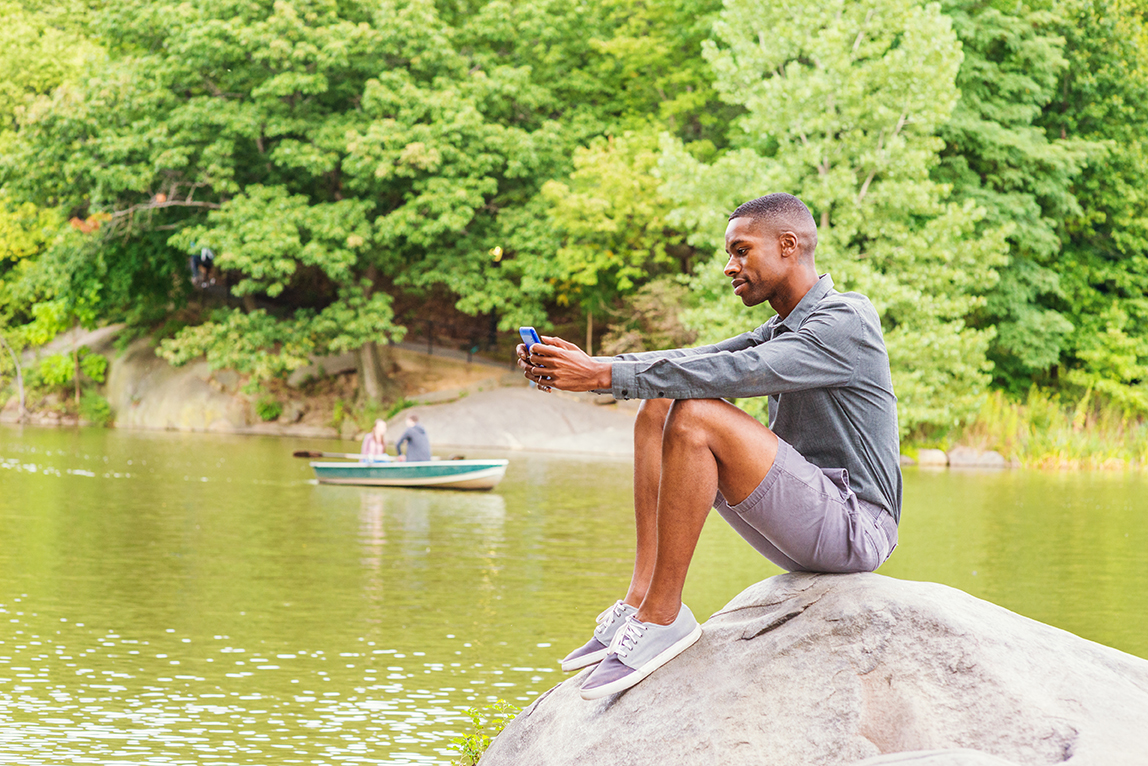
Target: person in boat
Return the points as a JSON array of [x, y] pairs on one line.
[[374, 445], [416, 441], [817, 490]]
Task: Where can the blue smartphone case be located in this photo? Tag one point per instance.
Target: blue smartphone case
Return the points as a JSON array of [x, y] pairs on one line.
[[529, 337]]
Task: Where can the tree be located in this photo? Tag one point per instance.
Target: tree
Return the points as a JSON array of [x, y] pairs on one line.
[[997, 154], [1102, 97], [842, 109]]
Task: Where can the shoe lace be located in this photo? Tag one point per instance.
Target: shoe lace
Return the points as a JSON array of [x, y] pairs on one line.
[[627, 638], [607, 618]]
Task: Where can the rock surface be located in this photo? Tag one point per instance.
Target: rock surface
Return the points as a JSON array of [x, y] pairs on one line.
[[804, 670], [967, 457], [932, 458], [522, 418]]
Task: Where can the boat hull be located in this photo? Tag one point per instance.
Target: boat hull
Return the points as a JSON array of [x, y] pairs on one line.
[[432, 474]]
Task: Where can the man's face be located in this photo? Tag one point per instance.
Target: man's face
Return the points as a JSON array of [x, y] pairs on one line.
[[755, 266]]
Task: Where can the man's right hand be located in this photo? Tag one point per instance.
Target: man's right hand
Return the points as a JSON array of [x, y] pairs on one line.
[[560, 364]]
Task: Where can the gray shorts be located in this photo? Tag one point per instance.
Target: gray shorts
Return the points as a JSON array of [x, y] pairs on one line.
[[807, 519]]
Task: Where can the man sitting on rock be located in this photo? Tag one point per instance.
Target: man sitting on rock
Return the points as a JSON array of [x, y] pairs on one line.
[[819, 490]]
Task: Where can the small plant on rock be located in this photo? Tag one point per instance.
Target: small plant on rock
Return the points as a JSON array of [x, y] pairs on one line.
[[486, 724]]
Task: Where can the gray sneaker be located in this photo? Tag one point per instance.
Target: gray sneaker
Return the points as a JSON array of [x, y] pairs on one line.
[[638, 649], [594, 650]]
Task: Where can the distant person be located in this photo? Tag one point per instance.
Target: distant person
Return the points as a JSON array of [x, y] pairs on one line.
[[375, 442], [415, 437], [818, 490], [201, 264]]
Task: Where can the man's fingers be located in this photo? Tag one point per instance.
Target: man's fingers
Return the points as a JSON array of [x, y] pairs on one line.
[[551, 340]]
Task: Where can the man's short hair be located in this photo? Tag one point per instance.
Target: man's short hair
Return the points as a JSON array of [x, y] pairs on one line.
[[413, 418], [777, 209]]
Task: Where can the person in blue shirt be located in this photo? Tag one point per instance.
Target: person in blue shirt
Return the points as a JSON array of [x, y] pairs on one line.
[[416, 441]]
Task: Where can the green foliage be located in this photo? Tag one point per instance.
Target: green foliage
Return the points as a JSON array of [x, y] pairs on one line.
[[59, 370], [486, 724], [611, 218], [267, 407], [1102, 96], [398, 406], [997, 154], [338, 413], [651, 319], [56, 371], [95, 409], [842, 110]]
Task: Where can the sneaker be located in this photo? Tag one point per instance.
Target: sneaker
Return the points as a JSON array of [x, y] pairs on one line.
[[595, 649], [638, 649]]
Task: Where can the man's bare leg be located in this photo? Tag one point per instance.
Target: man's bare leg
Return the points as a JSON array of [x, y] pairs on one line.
[[648, 428], [707, 445]]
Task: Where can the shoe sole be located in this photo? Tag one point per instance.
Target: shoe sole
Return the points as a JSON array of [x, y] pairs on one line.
[[640, 674], [585, 661]]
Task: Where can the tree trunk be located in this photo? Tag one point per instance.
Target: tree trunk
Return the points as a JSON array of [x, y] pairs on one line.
[[19, 378], [375, 365], [76, 360], [590, 332]]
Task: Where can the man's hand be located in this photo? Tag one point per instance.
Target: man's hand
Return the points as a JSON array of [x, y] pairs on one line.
[[556, 363]]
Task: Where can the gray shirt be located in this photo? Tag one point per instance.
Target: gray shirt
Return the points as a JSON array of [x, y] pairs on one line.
[[418, 445], [826, 373]]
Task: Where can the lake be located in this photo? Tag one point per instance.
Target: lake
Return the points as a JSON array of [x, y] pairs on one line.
[[198, 599]]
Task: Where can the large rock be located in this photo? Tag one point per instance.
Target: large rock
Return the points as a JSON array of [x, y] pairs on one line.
[[147, 392], [967, 457], [807, 669]]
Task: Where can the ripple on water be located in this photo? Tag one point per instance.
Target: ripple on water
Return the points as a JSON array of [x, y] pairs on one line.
[[72, 693]]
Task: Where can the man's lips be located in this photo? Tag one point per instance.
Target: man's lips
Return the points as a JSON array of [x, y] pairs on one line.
[[738, 284]]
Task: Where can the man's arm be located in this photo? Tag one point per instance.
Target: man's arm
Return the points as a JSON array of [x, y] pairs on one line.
[[560, 364], [821, 354]]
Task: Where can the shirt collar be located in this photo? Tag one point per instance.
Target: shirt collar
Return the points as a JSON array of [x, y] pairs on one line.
[[807, 303]]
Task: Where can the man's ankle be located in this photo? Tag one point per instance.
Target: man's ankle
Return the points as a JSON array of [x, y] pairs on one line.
[[657, 616]]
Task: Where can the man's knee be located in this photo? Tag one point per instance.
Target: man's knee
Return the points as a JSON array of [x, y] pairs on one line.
[[652, 414], [690, 418]]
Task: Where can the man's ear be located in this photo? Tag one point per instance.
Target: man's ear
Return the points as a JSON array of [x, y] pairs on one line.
[[789, 244]]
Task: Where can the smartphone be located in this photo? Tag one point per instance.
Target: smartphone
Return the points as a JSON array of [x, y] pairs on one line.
[[529, 337]]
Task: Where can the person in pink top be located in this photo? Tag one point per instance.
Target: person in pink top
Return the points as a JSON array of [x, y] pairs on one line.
[[375, 443]]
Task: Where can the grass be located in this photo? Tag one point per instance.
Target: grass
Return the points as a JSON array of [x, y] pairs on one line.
[[1045, 431]]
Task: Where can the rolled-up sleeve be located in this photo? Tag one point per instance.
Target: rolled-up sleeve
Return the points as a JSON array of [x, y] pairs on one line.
[[822, 353]]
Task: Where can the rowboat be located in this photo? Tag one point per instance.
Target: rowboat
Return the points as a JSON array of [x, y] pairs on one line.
[[436, 474]]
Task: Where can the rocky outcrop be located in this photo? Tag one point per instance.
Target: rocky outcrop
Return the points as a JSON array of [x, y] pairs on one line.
[[147, 392], [804, 670]]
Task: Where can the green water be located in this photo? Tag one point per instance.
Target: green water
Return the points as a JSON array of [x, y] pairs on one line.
[[196, 599]]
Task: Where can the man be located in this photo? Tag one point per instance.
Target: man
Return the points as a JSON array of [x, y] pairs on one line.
[[415, 437], [817, 490]]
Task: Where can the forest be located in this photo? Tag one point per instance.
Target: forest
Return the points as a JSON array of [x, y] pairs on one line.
[[978, 169]]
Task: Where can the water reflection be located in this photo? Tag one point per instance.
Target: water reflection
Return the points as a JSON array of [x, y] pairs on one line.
[[190, 598]]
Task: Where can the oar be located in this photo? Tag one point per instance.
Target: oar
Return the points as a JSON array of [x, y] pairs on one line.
[[309, 454], [313, 455]]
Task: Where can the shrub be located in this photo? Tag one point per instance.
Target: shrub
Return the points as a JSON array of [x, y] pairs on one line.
[[95, 409], [268, 408]]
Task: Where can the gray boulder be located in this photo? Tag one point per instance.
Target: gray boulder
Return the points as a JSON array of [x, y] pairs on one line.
[[967, 457], [932, 458], [804, 669]]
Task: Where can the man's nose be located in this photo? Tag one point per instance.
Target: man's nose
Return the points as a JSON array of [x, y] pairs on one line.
[[732, 267]]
